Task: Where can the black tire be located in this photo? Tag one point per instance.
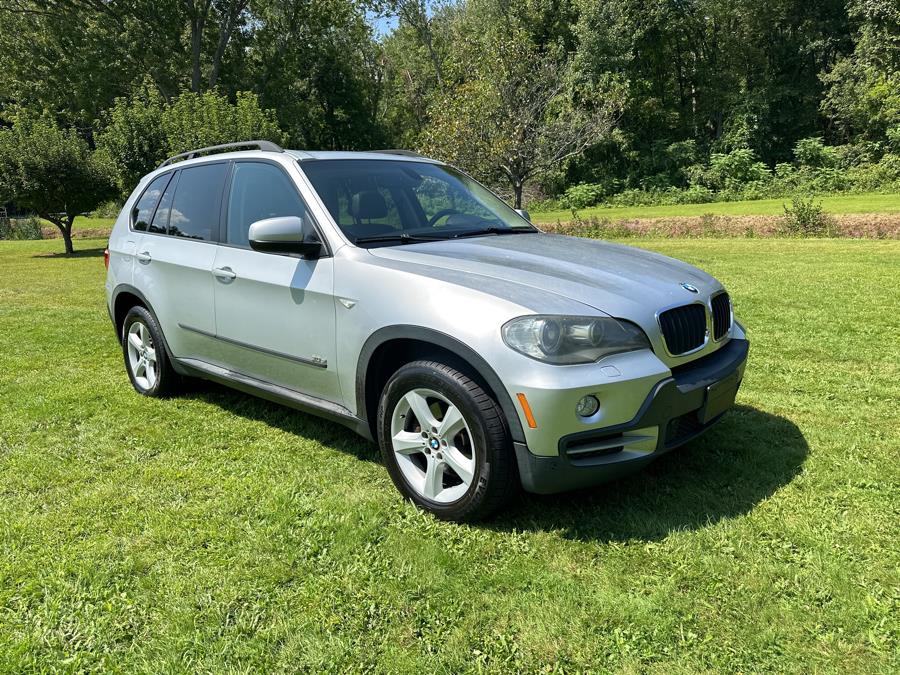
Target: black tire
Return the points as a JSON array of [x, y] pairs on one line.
[[495, 480], [167, 382]]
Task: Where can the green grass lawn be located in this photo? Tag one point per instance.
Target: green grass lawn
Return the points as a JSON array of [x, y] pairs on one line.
[[85, 223], [216, 531], [835, 203]]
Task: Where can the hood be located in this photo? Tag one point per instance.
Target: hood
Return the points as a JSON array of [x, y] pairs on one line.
[[618, 280]]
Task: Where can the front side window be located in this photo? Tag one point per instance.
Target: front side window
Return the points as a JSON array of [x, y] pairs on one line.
[[197, 202], [258, 191], [143, 210], [380, 200]]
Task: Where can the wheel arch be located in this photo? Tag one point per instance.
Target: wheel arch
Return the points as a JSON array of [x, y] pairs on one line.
[[124, 298], [389, 348]]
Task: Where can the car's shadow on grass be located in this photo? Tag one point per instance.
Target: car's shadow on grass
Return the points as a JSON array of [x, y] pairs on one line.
[[736, 465], [79, 253], [328, 433], [725, 473]]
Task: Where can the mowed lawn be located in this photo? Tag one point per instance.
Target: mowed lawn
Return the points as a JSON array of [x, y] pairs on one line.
[[872, 202], [215, 531]]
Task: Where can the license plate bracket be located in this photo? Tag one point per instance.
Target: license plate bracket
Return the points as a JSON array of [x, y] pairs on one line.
[[719, 397]]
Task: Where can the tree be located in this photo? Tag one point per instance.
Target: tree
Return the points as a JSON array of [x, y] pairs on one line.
[[197, 120], [863, 99], [519, 110], [139, 132], [131, 136], [52, 172], [518, 125]]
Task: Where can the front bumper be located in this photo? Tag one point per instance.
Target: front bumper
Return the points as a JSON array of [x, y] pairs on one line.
[[677, 409]]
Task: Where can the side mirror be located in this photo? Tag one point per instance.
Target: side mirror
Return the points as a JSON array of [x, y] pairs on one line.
[[286, 234], [524, 214]]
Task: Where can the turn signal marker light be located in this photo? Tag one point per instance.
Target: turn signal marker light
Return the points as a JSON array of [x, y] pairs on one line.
[[529, 416]]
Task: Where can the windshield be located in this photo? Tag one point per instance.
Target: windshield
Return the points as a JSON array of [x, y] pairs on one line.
[[386, 202]]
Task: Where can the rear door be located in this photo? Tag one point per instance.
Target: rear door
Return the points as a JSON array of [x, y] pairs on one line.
[[275, 313], [175, 259]]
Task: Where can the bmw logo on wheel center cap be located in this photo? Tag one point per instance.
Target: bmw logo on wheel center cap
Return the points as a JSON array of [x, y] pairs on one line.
[[689, 287], [434, 444]]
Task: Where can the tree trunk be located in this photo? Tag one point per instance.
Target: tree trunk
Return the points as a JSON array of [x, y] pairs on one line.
[[226, 28], [196, 38], [518, 185], [65, 228], [67, 239]]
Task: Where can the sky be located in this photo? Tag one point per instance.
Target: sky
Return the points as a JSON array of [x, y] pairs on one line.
[[382, 25]]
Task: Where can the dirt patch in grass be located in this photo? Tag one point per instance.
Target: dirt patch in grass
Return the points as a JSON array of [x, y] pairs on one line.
[[853, 226], [90, 233]]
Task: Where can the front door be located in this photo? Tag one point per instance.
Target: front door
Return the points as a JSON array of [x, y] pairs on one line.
[[275, 313]]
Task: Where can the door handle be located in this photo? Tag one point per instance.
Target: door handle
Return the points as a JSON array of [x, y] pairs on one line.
[[144, 257], [224, 273]]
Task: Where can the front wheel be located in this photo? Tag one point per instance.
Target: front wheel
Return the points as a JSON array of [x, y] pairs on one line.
[[444, 442]]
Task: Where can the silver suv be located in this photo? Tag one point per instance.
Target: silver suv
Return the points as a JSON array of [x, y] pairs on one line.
[[397, 296]]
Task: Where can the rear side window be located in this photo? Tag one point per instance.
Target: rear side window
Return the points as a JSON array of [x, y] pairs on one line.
[[160, 223], [258, 191], [143, 210], [197, 202]]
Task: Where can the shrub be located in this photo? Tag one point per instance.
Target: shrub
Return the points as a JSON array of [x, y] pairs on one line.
[[586, 194], [20, 228], [806, 217], [732, 170], [108, 209], [813, 152]]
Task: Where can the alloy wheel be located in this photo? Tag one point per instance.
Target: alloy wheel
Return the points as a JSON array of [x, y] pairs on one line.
[[142, 355], [433, 445]]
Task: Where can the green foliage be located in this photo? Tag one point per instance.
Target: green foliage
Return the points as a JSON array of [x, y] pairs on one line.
[[863, 96], [732, 170], [806, 217], [140, 132], [813, 152], [519, 110], [52, 172], [20, 228], [647, 95], [132, 137], [198, 120], [586, 194], [107, 210]]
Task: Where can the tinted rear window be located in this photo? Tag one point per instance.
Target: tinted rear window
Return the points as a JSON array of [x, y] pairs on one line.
[[197, 202], [160, 223], [143, 210]]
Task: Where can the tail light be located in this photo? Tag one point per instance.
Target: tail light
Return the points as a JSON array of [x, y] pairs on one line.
[[106, 258]]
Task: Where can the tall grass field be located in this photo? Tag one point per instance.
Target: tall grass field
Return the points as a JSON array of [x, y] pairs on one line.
[[217, 532]]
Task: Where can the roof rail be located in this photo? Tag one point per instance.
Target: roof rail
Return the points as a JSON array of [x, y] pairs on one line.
[[266, 146], [404, 153]]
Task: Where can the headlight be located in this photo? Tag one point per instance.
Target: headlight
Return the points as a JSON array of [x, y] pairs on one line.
[[572, 339]]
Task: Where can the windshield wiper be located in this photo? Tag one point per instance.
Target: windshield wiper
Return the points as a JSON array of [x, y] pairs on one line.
[[403, 238], [494, 230]]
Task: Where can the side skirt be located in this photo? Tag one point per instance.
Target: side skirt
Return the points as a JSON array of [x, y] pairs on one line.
[[276, 393]]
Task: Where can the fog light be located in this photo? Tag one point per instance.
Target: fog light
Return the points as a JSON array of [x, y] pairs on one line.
[[587, 406]]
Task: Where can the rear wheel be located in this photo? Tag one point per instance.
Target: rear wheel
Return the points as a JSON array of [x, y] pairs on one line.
[[146, 361], [444, 442]]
